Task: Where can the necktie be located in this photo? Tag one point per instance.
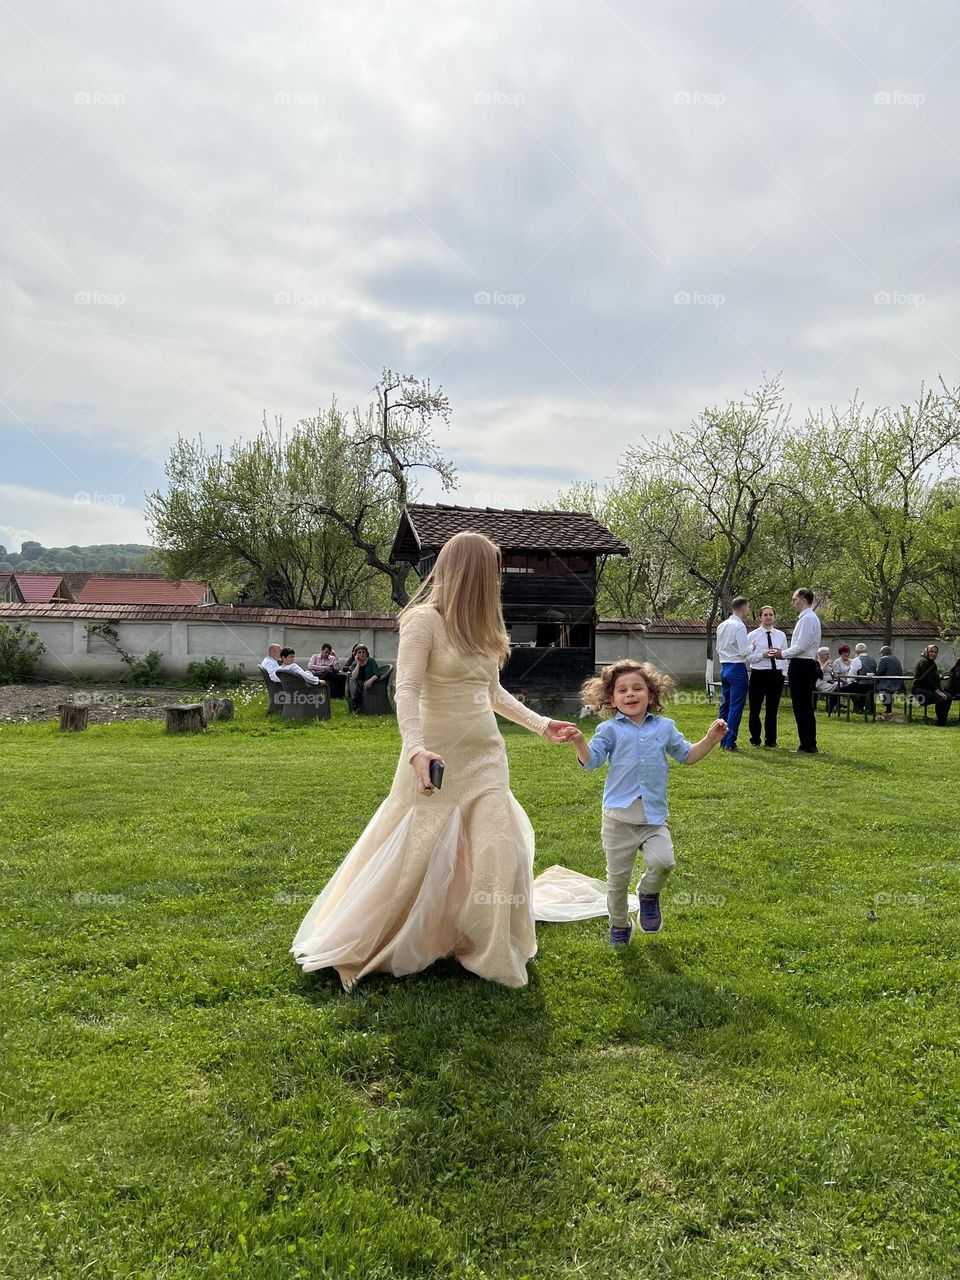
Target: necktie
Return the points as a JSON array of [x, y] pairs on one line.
[[773, 661]]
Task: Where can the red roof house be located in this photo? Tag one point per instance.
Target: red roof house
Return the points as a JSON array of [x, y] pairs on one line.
[[42, 588], [154, 588]]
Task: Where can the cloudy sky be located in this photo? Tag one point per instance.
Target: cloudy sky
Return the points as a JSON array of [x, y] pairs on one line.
[[584, 218]]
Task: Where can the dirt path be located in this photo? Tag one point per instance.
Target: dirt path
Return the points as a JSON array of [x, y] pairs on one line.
[[35, 702]]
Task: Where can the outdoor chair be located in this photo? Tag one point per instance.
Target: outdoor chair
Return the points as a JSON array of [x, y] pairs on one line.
[[274, 695], [376, 699], [303, 701]]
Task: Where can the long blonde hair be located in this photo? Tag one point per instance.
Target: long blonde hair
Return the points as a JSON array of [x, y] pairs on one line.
[[464, 587]]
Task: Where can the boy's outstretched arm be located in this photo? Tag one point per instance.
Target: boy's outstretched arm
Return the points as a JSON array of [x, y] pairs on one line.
[[706, 744], [574, 735]]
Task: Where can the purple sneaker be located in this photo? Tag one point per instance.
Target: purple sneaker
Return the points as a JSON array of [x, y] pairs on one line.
[[620, 934], [650, 917]]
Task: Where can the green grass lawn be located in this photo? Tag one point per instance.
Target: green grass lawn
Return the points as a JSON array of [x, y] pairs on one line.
[[767, 1088]]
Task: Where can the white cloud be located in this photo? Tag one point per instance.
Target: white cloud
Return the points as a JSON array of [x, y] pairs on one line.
[[32, 515], [381, 170]]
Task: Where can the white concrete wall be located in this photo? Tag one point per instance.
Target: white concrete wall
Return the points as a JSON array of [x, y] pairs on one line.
[[70, 652]]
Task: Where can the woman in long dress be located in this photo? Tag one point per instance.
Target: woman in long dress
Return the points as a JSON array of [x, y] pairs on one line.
[[443, 872]]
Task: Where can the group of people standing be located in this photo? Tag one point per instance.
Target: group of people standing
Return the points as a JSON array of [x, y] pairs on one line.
[[757, 664]]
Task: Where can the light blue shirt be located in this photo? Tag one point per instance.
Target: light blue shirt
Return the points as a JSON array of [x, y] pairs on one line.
[[637, 754]]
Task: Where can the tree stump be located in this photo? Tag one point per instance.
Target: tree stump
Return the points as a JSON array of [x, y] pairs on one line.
[[186, 718], [217, 709], [72, 717]]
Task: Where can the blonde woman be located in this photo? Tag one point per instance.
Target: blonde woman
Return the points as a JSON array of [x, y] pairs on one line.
[[441, 872]]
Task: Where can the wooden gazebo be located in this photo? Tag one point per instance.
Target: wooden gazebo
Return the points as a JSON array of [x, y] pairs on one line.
[[549, 585]]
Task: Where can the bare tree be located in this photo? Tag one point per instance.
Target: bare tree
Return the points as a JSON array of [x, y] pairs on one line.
[[882, 466], [715, 480]]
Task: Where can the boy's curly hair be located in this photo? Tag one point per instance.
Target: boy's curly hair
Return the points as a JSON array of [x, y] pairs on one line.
[[597, 692]]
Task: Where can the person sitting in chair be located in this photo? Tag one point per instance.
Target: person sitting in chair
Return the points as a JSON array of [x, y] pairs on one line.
[[926, 684], [287, 663], [887, 689], [324, 662], [271, 662], [361, 674]]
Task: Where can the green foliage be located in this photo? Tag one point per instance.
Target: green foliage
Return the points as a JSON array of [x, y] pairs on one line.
[[767, 1090], [20, 652], [148, 669], [35, 558], [213, 671], [303, 519]]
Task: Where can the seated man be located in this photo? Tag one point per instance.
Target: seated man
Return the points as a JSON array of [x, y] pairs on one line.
[[324, 662], [271, 662], [887, 688], [361, 674], [287, 664]]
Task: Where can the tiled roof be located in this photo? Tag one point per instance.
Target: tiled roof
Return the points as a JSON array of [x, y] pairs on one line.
[[425, 528], [350, 619], [698, 627], [39, 588], [140, 589]]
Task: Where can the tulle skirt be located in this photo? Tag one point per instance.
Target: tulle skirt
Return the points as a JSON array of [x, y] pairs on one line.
[[429, 880]]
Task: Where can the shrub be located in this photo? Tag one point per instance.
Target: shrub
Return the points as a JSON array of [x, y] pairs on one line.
[[213, 671], [148, 669], [20, 652]]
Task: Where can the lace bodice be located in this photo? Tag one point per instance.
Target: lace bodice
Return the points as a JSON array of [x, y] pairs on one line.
[[427, 664]]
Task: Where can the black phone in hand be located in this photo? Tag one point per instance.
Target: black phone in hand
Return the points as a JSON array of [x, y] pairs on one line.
[[436, 774]]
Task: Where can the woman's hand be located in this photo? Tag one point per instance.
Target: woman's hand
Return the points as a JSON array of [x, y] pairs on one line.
[[369, 682], [421, 767], [559, 731]]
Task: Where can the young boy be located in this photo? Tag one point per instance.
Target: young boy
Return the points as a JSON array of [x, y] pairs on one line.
[[636, 742]]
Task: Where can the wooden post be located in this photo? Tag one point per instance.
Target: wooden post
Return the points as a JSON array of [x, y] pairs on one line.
[[217, 709], [185, 718], [72, 717]]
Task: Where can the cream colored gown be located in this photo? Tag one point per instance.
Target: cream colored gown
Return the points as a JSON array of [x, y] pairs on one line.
[[447, 874]]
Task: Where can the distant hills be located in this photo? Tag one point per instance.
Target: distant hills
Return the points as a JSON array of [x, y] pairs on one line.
[[35, 558]]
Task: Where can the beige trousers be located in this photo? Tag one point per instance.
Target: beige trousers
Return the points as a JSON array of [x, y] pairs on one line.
[[624, 833]]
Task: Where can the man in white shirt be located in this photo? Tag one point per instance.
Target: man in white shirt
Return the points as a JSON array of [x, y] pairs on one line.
[[803, 670], [734, 652], [271, 662], [766, 677], [287, 664]]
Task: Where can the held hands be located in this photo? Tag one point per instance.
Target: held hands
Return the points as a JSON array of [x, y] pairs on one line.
[[773, 653], [421, 767], [560, 731], [569, 733]]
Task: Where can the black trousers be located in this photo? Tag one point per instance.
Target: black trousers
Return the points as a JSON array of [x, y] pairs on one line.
[[940, 703], [802, 674], [766, 685]]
